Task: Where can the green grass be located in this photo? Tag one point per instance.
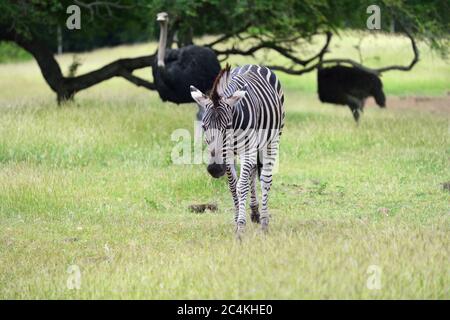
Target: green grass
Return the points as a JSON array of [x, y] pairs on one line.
[[92, 184], [10, 52]]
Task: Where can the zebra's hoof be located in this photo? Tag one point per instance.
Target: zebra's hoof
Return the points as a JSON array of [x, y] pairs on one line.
[[254, 214], [255, 217], [265, 229], [265, 226], [240, 230]]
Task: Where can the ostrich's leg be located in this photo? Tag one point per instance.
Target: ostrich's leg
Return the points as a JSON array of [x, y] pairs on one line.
[[363, 103], [355, 106], [355, 113]]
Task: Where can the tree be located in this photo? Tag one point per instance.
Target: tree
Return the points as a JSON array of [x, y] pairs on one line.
[[414, 19], [262, 24], [22, 22]]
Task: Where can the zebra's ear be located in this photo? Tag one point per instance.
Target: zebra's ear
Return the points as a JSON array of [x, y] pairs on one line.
[[199, 96], [235, 97]]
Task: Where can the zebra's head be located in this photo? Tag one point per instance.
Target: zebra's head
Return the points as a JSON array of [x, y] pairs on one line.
[[217, 119]]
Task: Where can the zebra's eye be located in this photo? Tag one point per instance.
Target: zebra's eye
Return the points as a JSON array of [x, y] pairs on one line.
[[203, 127]]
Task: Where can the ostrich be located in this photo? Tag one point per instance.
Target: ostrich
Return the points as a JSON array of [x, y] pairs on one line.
[[175, 70], [349, 86]]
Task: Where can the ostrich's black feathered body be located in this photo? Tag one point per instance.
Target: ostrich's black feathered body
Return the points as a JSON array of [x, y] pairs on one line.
[[190, 65], [349, 86]]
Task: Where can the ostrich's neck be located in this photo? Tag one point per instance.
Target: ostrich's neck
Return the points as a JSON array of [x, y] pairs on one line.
[[162, 44]]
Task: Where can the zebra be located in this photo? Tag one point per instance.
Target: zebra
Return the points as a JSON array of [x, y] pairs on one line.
[[243, 116]]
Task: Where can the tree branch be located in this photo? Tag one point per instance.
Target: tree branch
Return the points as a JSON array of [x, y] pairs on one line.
[[318, 56], [227, 36], [137, 81], [293, 71], [66, 87], [413, 62], [119, 68], [352, 63], [378, 71], [283, 51]]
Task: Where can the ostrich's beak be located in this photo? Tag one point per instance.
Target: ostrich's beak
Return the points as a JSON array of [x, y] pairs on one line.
[[162, 17]]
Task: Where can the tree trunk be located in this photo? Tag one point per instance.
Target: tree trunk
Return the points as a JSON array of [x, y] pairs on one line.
[[59, 40], [66, 88], [392, 25], [185, 38]]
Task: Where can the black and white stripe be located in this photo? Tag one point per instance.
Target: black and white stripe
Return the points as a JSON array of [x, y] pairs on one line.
[[246, 120]]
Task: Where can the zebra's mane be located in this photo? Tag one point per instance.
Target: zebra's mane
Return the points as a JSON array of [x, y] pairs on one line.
[[220, 84]]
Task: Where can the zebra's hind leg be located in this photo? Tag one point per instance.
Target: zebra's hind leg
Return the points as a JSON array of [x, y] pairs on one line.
[[266, 182], [254, 205]]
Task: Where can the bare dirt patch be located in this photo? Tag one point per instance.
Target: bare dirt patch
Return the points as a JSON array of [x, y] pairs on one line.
[[200, 208], [446, 186], [431, 104]]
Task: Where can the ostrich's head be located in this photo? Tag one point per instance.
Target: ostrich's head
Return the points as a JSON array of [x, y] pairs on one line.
[[217, 119], [163, 19]]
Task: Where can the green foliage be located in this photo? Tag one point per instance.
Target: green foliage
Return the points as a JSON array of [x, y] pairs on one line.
[[100, 25], [428, 20], [10, 52], [135, 20], [289, 19]]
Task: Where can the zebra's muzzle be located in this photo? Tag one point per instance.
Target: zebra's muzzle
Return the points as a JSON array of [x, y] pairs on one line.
[[216, 170]]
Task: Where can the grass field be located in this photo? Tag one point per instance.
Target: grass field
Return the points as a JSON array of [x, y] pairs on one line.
[[92, 185]]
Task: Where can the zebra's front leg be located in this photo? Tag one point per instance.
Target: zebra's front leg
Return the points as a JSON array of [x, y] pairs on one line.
[[232, 185], [248, 164]]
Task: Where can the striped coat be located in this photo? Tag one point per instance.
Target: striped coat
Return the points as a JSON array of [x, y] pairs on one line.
[[244, 116]]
